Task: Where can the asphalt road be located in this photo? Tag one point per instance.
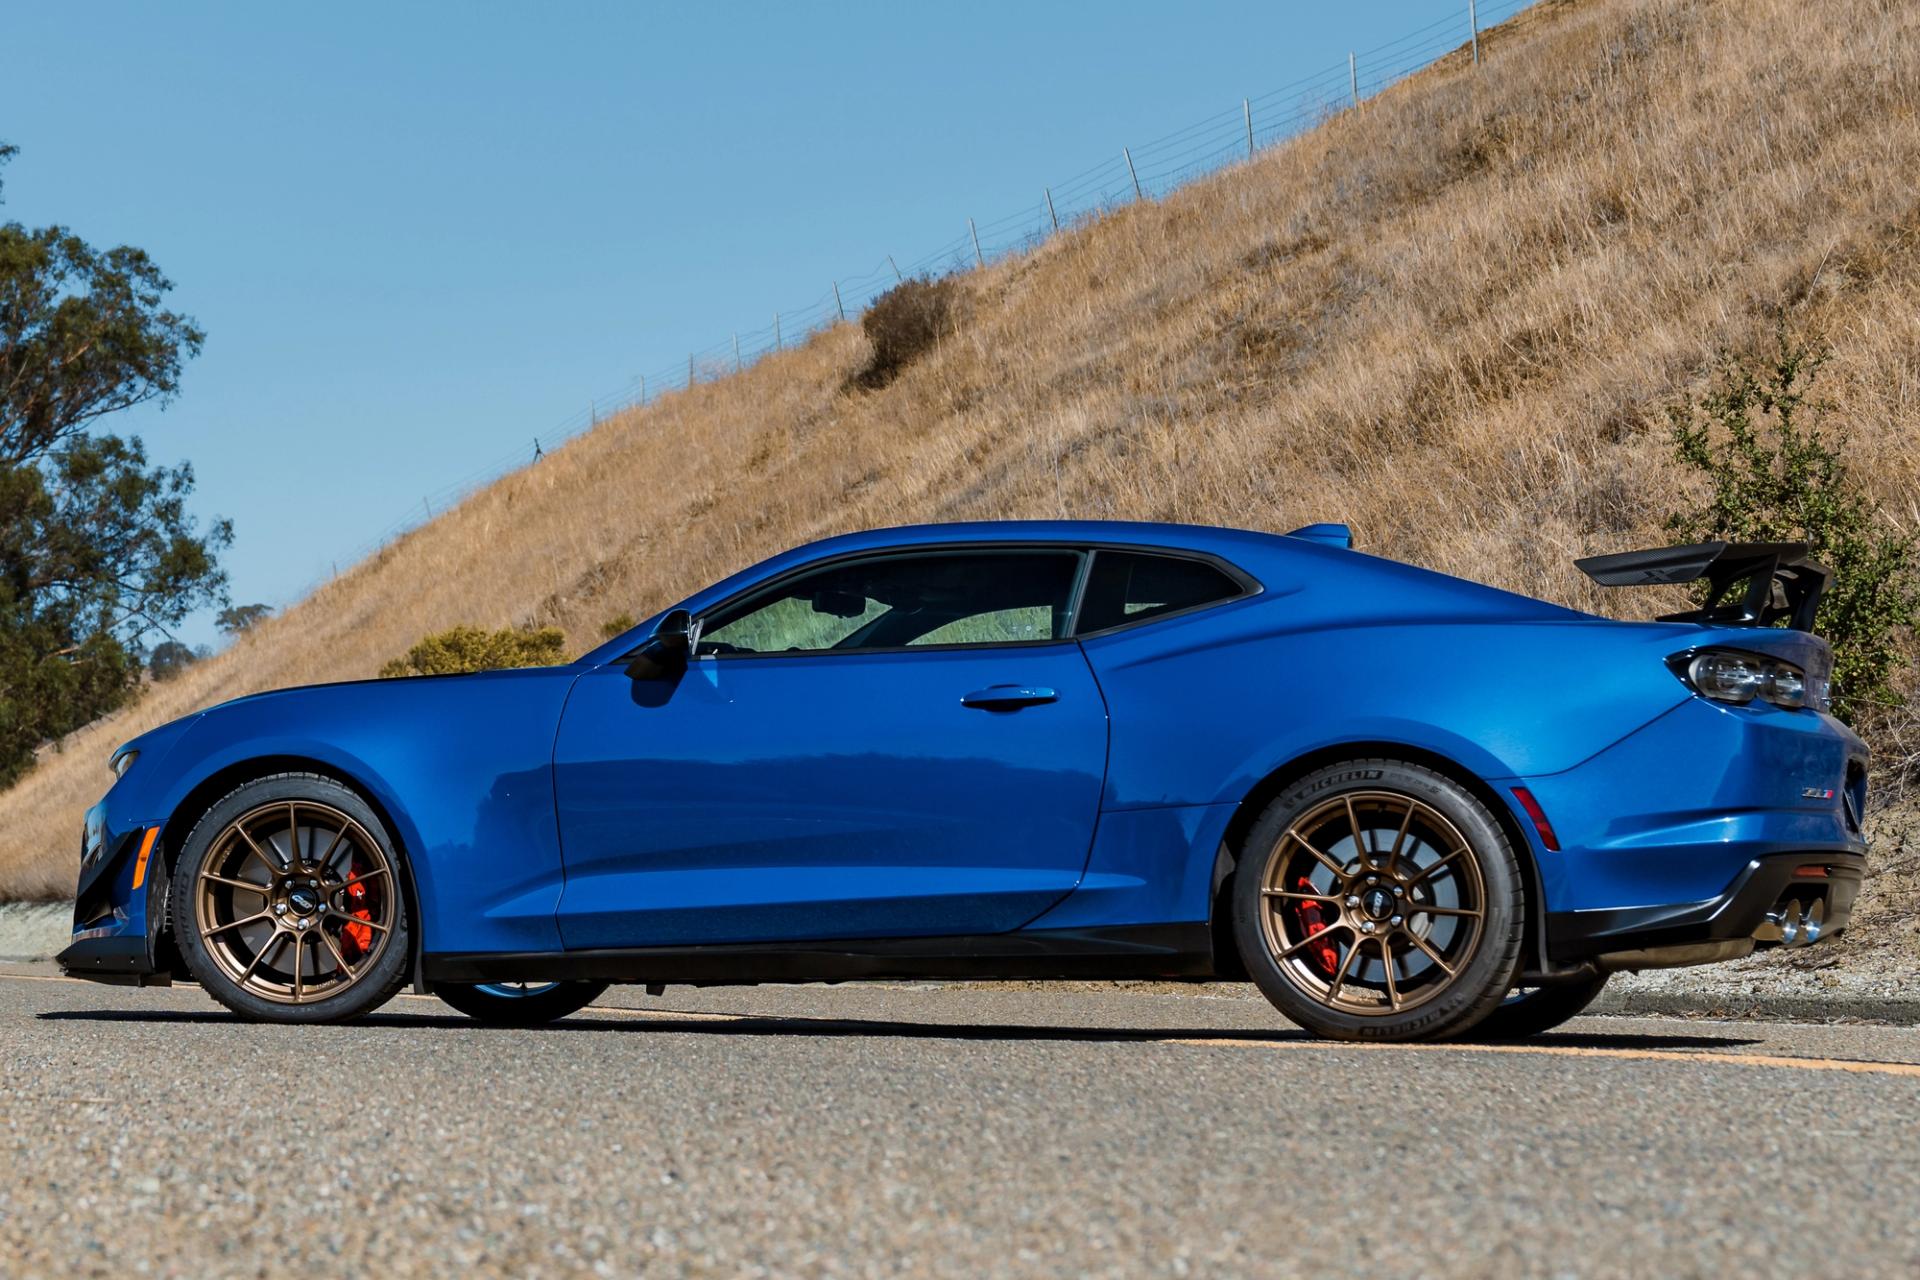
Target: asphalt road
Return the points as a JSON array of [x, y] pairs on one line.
[[922, 1130]]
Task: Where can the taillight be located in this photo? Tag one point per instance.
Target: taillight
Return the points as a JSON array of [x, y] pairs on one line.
[[1730, 675]]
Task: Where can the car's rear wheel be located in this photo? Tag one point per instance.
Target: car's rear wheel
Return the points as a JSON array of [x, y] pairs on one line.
[[1528, 1011], [1379, 900], [289, 905], [519, 1004]]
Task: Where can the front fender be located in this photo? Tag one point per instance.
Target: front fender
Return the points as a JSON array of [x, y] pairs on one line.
[[462, 768]]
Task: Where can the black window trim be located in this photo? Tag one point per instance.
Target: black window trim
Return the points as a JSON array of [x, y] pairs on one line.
[[1248, 584], [1085, 552]]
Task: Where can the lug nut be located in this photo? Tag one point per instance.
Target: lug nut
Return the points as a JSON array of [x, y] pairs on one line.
[[1395, 921], [1398, 892], [1367, 927], [1352, 900], [1373, 879]]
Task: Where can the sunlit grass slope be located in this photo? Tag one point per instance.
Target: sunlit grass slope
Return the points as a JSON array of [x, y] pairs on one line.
[[1451, 319]]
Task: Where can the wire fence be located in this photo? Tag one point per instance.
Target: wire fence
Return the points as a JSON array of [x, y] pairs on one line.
[[1147, 171]]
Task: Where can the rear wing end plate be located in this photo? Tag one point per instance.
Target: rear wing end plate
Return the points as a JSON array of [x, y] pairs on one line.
[[1776, 581]]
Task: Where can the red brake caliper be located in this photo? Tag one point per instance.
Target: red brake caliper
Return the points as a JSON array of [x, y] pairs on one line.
[[1313, 920], [359, 937]]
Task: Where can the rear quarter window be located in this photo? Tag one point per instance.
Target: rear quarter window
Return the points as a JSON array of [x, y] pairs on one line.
[[1128, 587]]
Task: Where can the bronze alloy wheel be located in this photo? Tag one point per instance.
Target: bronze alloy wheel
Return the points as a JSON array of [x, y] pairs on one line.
[[1371, 903], [295, 902]]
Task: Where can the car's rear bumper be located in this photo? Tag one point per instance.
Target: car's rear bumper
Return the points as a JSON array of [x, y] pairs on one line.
[[1691, 830], [1794, 883]]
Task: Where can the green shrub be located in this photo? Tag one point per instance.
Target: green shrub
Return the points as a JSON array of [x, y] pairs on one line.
[[904, 323], [461, 649], [169, 658], [618, 623], [1773, 460]]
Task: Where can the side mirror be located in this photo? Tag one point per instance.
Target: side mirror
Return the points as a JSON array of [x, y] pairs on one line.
[[666, 650]]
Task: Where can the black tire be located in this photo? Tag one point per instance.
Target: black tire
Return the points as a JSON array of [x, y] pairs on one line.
[[1528, 1011], [1312, 923], [540, 1004], [369, 859]]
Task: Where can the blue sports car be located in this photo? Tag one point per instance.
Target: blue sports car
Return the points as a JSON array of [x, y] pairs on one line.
[[1404, 805]]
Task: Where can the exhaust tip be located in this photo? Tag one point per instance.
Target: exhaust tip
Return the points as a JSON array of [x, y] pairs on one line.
[[1812, 922], [1782, 925]]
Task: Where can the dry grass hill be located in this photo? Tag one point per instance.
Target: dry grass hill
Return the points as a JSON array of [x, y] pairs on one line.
[[1452, 318]]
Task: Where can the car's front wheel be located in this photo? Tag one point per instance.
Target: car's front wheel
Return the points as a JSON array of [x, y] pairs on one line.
[[1379, 900], [519, 1004], [288, 902]]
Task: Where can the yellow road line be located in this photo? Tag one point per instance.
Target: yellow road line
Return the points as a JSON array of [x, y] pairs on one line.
[[38, 977], [1581, 1051], [685, 1015]]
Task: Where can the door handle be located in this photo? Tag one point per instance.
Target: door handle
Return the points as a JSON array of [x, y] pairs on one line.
[[1008, 697]]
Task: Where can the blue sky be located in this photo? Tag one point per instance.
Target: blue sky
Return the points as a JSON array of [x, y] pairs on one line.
[[420, 235]]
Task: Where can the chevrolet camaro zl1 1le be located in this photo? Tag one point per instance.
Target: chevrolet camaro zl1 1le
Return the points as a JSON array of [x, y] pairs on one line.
[[1404, 805]]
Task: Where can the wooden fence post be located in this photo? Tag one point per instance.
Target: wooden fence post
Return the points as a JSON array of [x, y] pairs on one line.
[[1353, 78]]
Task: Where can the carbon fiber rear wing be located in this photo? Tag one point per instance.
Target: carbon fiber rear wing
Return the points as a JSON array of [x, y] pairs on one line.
[[1780, 583]]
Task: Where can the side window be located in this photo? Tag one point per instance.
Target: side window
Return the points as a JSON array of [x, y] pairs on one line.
[[896, 601], [1133, 586]]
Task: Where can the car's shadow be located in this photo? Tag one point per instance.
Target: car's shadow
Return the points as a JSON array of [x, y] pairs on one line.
[[708, 1024]]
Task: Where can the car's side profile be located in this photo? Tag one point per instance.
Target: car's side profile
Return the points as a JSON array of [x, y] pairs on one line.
[[1403, 804]]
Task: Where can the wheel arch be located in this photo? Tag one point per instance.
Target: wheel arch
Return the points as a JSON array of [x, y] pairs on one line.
[[203, 795], [1263, 792]]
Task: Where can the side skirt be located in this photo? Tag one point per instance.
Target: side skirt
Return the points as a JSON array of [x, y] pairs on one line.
[[1180, 951]]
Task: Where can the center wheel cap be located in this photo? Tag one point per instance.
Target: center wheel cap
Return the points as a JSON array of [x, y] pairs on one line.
[[303, 900], [1377, 903]]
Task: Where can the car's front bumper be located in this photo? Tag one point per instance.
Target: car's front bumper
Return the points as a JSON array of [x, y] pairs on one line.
[[119, 906]]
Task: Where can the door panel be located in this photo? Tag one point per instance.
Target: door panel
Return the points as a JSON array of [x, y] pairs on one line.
[[853, 794]]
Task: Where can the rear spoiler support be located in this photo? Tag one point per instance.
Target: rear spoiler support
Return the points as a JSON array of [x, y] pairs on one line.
[[1781, 583]]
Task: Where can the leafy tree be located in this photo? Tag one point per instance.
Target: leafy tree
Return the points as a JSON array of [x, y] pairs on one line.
[[97, 552], [169, 658], [242, 617], [458, 650], [1775, 470]]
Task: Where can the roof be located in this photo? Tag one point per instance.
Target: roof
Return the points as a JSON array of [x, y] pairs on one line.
[[1192, 537]]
